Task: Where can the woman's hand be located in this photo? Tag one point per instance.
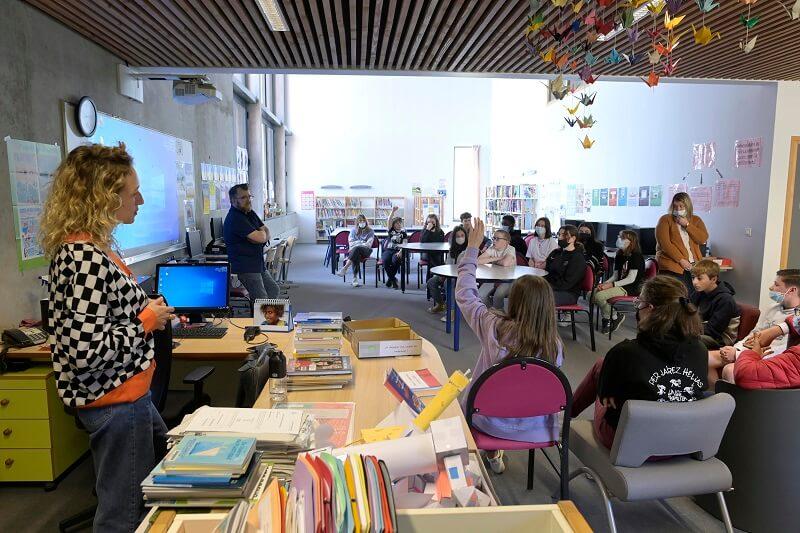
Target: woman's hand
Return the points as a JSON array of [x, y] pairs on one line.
[[727, 354], [682, 221], [476, 234], [686, 265], [394, 209], [164, 313], [605, 286]]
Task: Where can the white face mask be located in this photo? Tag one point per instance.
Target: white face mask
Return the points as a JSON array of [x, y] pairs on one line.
[[679, 212], [362, 225], [540, 231], [623, 244], [460, 240]]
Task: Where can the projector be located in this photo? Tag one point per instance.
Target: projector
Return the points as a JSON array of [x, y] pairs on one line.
[[194, 92]]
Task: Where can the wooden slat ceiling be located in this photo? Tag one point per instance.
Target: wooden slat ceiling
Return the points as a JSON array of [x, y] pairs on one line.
[[459, 36]]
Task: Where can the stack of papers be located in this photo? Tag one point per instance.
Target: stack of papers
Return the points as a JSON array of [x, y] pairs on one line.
[[319, 372], [317, 334]]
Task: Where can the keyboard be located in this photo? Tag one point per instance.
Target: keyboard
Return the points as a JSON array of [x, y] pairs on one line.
[[205, 332]]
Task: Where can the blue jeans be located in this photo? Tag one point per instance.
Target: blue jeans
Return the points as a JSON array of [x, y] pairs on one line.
[[126, 440], [259, 286]]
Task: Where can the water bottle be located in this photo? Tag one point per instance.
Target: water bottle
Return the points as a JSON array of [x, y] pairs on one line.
[[277, 377]]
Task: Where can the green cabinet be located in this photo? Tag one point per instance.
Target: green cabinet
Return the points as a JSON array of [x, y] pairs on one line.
[[38, 439]]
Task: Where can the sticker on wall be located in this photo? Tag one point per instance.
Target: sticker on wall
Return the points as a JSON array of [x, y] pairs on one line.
[[644, 196], [307, 201], [622, 196], [603, 197], [656, 195], [441, 190], [612, 197], [748, 152], [726, 193], [701, 198], [595, 197]]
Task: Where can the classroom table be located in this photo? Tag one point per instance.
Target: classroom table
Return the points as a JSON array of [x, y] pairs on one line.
[[483, 274], [416, 248]]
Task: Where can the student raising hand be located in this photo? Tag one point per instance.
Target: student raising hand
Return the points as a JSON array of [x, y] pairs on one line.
[[476, 233]]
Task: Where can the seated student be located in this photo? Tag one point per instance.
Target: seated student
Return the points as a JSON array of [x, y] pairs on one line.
[[666, 362], [785, 292], [714, 300], [752, 370], [458, 243], [432, 233], [500, 253], [566, 267], [391, 255], [626, 279], [516, 235], [466, 223], [542, 244], [593, 250], [528, 329], [360, 242]]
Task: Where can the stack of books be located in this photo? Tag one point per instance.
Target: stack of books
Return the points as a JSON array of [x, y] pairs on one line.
[[315, 373], [207, 471], [317, 334]]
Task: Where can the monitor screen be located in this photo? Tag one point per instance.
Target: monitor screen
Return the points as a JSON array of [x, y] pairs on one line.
[[216, 228], [571, 222], [194, 287], [647, 240], [194, 243], [612, 232]]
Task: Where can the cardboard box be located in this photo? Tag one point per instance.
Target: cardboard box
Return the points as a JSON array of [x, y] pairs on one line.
[[382, 337]]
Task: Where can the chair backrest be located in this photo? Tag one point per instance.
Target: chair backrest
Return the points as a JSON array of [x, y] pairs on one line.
[[269, 255], [650, 269], [521, 260], [606, 264], [649, 429], [520, 387], [748, 319], [162, 344], [342, 239], [375, 242], [529, 238], [415, 236], [447, 236], [287, 253], [587, 285]]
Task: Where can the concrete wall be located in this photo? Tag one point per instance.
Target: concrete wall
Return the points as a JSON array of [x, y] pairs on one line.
[[36, 74]]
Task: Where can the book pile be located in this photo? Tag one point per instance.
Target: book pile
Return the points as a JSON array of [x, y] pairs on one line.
[[318, 362], [422, 382], [207, 471]]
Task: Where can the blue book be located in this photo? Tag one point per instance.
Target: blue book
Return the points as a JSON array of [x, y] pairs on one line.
[[158, 477], [206, 453]]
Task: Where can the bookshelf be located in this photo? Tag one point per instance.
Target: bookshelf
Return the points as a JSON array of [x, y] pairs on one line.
[[426, 205], [341, 211], [518, 201]]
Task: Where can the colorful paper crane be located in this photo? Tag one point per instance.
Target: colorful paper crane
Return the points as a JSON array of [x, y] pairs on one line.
[[577, 6], [604, 27], [664, 49], [558, 88], [559, 3], [652, 79], [558, 34], [655, 8], [587, 100], [590, 59], [670, 23], [706, 6], [591, 18], [534, 24], [670, 66], [673, 6], [586, 75], [561, 62], [633, 35], [632, 59], [613, 57], [587, 142], [627, 18], [591, 36], [548, 56], [794, 14], [654, 32], [704, 35], [571, 121], [748, 47], [654, 57], [748, 22], [573, 110]]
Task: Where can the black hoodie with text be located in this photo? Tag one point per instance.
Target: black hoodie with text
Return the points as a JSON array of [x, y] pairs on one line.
[[717, 308], [663, 369]]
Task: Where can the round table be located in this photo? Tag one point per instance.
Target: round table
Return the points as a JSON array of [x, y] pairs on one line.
[[484, 273], [418, 248]]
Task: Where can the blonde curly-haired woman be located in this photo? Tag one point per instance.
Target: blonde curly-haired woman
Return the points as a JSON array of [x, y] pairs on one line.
[[103, 323]]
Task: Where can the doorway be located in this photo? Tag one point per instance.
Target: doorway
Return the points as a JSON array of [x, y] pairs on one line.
[[790, 249]]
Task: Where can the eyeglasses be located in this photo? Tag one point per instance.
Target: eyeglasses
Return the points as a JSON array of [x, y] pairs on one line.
[[495, 239], [244, 197]]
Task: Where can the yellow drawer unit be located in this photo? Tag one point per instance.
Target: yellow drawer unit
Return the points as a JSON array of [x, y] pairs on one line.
[[38, 439]]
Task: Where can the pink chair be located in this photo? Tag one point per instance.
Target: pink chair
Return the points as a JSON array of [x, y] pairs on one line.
[[588, 287], [522, 387], [528, 239], [616, 303], [341, 245], [521, 260], [748, 319]]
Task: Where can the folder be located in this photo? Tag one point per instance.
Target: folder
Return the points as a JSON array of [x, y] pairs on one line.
[[361, 492], [324, 520], [373, 495], [340, 498], [350, 477], [387, 483], [305, 480]]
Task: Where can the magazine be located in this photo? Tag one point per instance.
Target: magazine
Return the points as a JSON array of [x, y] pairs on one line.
[[273, 315]]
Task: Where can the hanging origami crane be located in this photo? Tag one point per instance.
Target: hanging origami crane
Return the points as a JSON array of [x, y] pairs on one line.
[[748, 22], [654, 32], [577, 6], [587, 142], [558, 88], [558, 34], [573, 110], [627, 18], [560, 3], [571, 121], [654, 57], [548, 56], [794, 14], [633, 35], [673, 6], [632, 58], [670, 66], [587, 100], [670, 23], [586, 75], [591, 18], [613, 57], [704, 35], [655, 8], [535, 23], [652, 79], [590, 59], [591, 36], [706, 6], [561, 62], [604, 27], [748, 47]]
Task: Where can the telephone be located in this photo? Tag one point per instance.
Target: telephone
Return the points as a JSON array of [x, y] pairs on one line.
[[23, 337]]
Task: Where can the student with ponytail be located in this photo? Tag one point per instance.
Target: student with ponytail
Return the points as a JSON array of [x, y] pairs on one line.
[[666, 362]]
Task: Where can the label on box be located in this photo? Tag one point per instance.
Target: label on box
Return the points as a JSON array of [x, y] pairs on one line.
[[389, 348]]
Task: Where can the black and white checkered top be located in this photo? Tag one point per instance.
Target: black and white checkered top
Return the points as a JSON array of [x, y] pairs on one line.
[[99, 342]]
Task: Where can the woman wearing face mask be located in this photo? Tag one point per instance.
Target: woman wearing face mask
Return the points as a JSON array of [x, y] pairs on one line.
[[432, 233], [666, 362], [566, 267], [593, 250], [626, 279], [360, 243], [542, 244], [679, 235], [392, 256], [458, 243]]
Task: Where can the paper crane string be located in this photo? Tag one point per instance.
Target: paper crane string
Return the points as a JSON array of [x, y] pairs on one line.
[[794, 14], [652, 79], [573, 110], [749, 45], [587, 100], [590, 59], [704, 35], [571, 121], [586, 122], [614, 57], [706, 6], [586, 75], [673, 6]]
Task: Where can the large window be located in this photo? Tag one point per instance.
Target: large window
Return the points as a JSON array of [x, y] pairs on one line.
[[269, 166], [466, 180], [240, 122]]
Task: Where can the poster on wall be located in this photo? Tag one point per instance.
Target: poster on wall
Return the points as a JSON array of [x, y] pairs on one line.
[[206, 197], [675, 188], [726, 193], [188, 213], [633, 196], [748, 152], [701, 198], [603, 197], [656, 196], [612, 197], [644, 196], [307, 202], [622, 196], [595, 197], [704, 155]]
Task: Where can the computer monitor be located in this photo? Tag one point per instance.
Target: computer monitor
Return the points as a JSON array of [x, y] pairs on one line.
[[216, 228], [194, 288], [647, 240], [612, 232], [571, 222], [194, 243]]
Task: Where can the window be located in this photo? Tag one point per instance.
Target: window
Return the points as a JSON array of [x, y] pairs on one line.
[[240, 123], [466, 180], [269, 166]]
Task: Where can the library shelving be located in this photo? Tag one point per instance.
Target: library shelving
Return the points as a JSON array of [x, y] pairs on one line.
[[518, 201], [426, 205], [341, 211]]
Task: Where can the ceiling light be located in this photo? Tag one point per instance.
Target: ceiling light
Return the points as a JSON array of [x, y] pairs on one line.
[[273, 15], [638, 15]]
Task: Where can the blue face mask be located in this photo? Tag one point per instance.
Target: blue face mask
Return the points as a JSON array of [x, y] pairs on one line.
[[777, 296]]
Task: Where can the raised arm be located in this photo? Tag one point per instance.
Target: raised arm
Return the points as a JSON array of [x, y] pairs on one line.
[[479, 318]]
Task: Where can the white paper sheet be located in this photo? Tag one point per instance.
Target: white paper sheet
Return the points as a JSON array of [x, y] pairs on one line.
[[256, 421], [403, 457]]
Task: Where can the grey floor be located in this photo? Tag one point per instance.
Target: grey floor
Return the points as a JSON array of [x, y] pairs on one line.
[[33, 509]]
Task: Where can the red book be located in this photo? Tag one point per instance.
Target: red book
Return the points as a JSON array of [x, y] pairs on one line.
[[421, 382]]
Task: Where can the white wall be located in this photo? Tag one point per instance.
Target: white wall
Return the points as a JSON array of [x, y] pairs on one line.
[[787, 124], [645, 137], [385, 131]]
